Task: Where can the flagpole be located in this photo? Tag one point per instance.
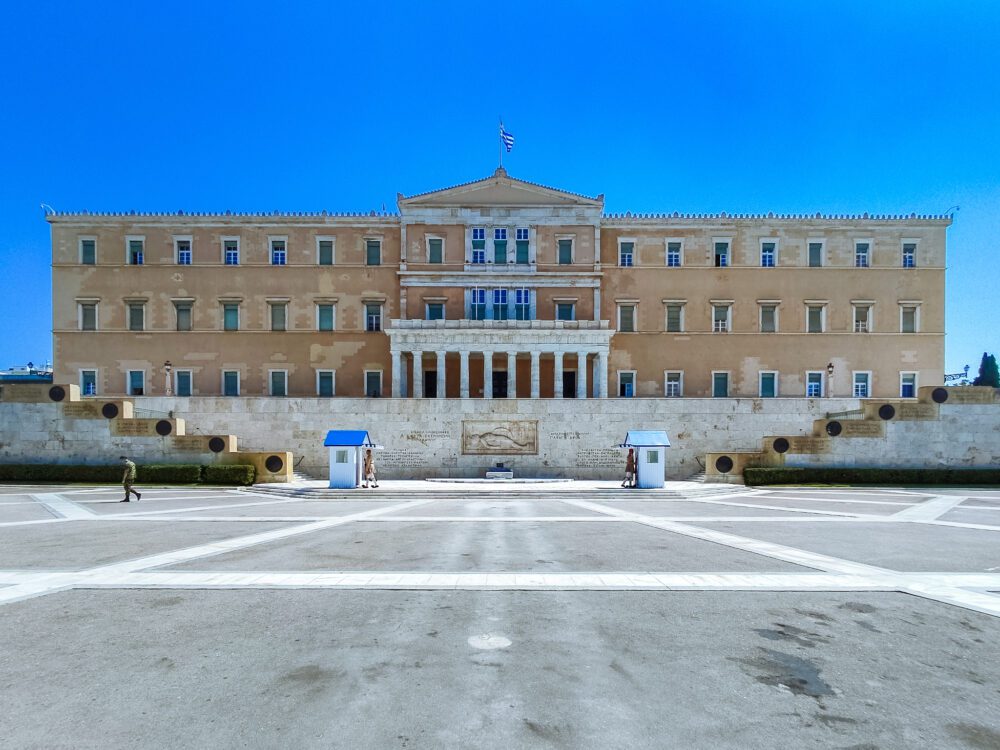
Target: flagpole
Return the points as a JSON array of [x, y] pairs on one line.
[[500, 142]]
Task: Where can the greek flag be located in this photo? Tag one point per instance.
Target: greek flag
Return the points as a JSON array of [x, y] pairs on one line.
[[507, 138]]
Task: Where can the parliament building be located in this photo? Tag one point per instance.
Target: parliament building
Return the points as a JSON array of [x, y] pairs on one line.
[[498, 288]]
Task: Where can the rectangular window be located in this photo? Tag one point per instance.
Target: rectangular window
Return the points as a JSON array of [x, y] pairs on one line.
[[768, 254], [626, 318], [182, 251], [626, 384], [720, 318], [814, 319], [908, 319], [231, 251], [183, 310], [652, 457], [435, 250], [862, 318], [909, 255], [907, 384], [88, 251], [673, 384], [674, 253], [230, 383], [88, 382], [278, 382], [435, 311], [182, 382], [325, 320], [768, 384], [861, 382], [768, 318], [565, 252], [136, 316], [522, 304], [373, 383], [279, 255], [88, 316], [477, 304], [324, 251], [814, 385], [499, 245], [373, 252], [861, 253], [500, 304], [478, 244], [136, 247], [564, 311], [325, 383], [230, 316], [815, 254], [521, 246], [279, 315], [720, 385], [721, 253], [373, 316], [341, 456], [136, 382], [626, 254], [675, 319]]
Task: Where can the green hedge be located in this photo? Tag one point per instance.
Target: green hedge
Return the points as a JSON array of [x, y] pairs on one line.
[[229, 474], [243, 474], [831, 475]]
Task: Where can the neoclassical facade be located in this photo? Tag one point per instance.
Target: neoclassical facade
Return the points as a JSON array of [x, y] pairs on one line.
[[498, 288]]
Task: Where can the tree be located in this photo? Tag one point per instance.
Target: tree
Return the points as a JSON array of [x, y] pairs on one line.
[[988, 372]]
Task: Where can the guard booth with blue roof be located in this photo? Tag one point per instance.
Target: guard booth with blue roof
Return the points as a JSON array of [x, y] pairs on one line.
[[651, 456], [347, 456]]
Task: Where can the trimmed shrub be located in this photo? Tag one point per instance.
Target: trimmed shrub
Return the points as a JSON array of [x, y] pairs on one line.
[[242, 474], [167, 473], [833, 475], [59, 473]]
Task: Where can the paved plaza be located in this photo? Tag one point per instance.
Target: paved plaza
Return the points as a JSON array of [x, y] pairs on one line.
[[459, 615]]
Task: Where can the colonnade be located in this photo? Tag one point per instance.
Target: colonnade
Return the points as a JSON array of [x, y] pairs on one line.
[[600, 378]]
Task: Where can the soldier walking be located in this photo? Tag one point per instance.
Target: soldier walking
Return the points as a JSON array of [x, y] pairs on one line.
[[128, 479]]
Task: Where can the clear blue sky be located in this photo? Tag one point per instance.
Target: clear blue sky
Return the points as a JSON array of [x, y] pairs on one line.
[[744, 107]]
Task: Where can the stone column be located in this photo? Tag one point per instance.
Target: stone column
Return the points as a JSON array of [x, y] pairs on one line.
[[602, 374], [418, 374], [463, 381], [396, 369], [511, 374], [557, 385], [535, 374], [581, 374], [440, 375], [488, 374]]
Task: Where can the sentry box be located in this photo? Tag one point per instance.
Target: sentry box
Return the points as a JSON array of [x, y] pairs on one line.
[[651, 460], [347, 456]]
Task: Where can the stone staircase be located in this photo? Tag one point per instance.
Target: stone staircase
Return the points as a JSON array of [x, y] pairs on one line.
[[125, 420], [433, 490], [872, 420]]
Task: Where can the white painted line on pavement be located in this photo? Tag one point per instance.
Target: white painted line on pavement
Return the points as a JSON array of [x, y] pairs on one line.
[[62, 507], [930, 510]]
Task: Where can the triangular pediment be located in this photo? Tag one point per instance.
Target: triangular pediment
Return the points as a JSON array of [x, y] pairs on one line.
[[500, 189]]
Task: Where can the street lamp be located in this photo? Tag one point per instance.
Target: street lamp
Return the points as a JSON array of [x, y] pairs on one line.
[[829, 379], [168, 389]]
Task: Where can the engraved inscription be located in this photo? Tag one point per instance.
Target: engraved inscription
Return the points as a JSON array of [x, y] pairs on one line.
[[88, 410], [190, 443], [490, 436], [808, 445], [917, 411], [857, 428], [402, 459], [600, 458], [133, 427]]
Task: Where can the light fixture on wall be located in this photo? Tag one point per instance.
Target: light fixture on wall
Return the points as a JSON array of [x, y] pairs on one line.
[[168, 388], [829, 376], [829, 369]]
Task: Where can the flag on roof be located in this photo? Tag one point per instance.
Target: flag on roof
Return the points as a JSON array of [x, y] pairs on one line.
[[507, 138]]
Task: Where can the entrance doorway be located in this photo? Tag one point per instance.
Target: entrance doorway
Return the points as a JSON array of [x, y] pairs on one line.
[[569, 383], [500, 384], [430, 384]]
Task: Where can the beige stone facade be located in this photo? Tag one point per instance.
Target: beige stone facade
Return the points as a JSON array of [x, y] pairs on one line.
[[574, 302]]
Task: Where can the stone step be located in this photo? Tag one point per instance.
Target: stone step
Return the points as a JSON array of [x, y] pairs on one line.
[[963, 394]]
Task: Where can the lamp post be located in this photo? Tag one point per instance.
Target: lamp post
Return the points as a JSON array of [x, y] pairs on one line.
[[168, 388], [829, 379]]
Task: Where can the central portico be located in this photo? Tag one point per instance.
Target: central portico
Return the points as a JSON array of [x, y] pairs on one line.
[[558, 359]]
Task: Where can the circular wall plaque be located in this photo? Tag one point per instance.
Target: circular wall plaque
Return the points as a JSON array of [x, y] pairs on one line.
[[110, 411], [274, 464], [781, 445], [216, 445], [887, 411], [939, 395], [834, 428], [57, 393], [724, 464], [163, 427]]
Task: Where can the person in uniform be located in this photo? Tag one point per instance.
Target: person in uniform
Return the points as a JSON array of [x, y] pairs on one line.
[[129, 479], [630, 469], [370, 470]]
